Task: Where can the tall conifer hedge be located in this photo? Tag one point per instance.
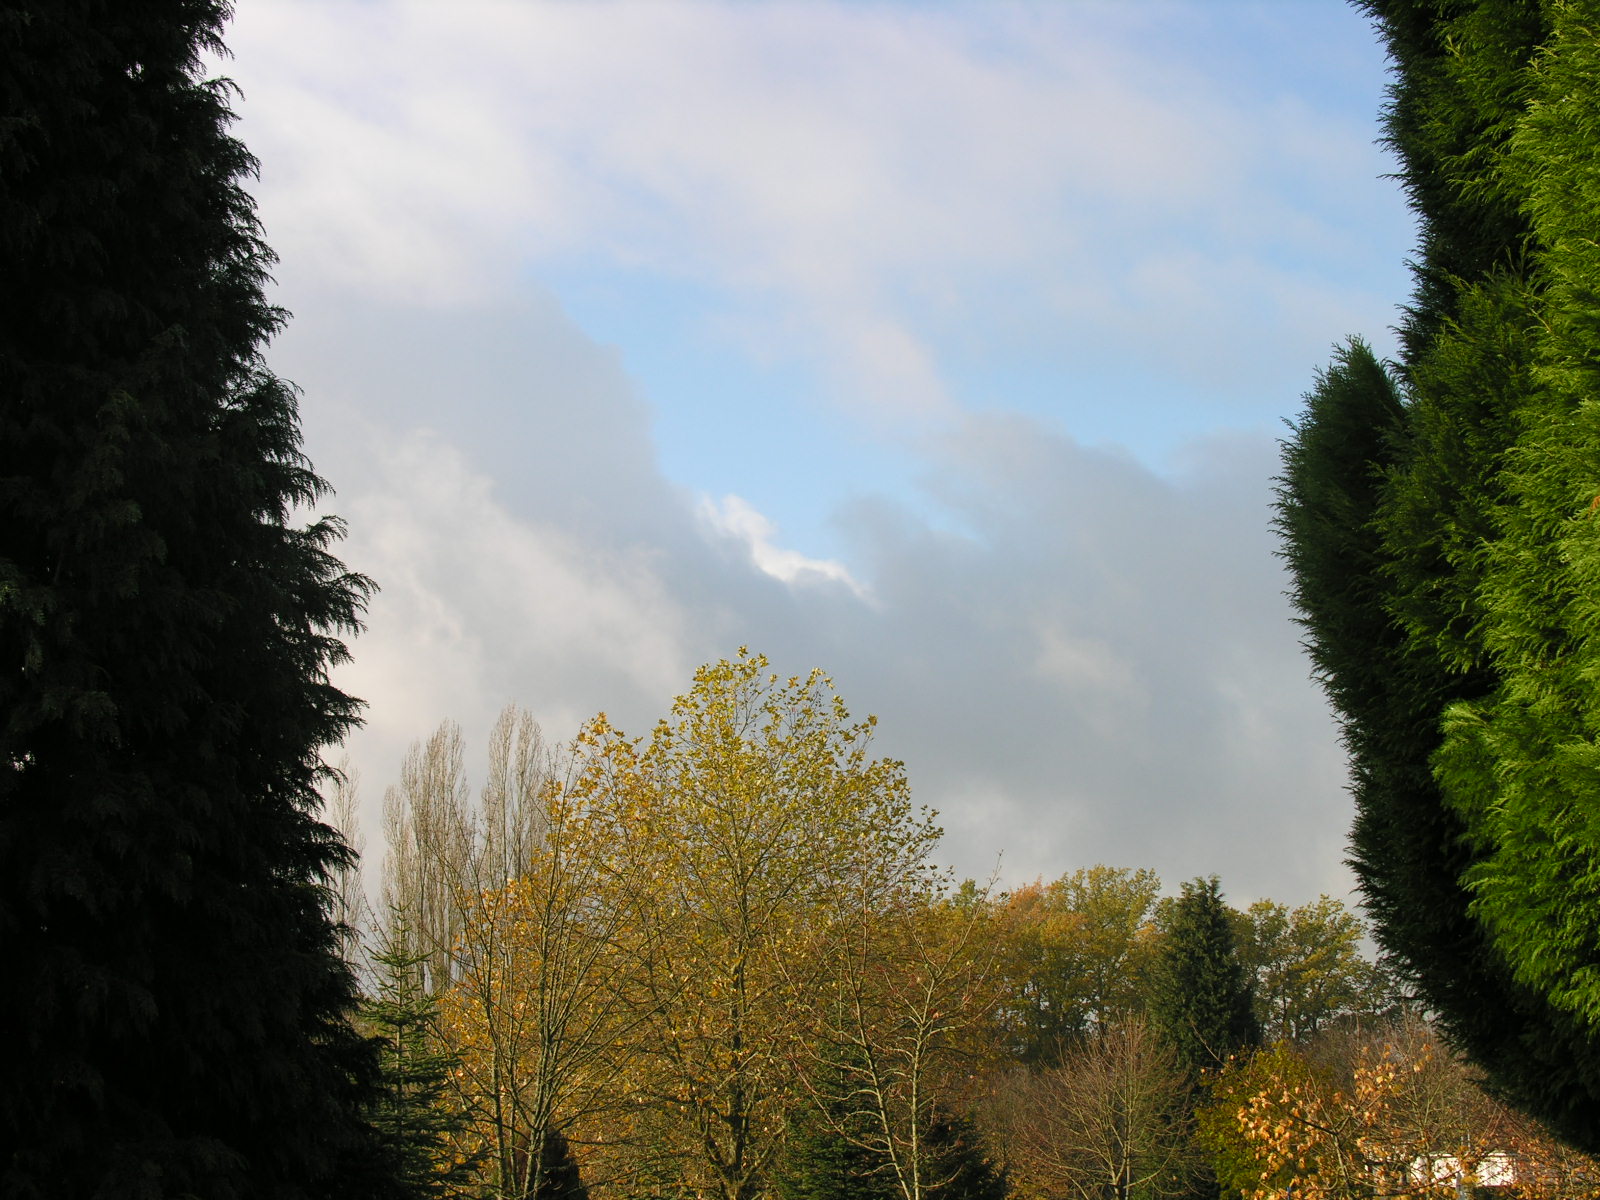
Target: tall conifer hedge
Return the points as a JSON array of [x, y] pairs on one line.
[[1440, 518], [174, 1002]]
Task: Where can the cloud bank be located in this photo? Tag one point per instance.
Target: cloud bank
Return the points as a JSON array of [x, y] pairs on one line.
[[1081, 661], [922, 271]]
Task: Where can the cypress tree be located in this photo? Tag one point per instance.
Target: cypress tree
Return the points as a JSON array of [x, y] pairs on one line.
[[176, 1005], [1445, 560]]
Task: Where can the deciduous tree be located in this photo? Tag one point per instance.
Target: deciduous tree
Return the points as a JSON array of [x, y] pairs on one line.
[[746, 827], [506, 897], [1391, 1112], [1078, 959], [1306, 968], [1108, 1122]]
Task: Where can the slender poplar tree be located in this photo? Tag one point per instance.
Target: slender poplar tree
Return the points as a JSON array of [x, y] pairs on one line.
[[175, 1003]]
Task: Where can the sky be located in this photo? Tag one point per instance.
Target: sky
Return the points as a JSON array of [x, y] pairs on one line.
[[943, 346]]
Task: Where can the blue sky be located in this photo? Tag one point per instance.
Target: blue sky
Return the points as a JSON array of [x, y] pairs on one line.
[[940, 345]]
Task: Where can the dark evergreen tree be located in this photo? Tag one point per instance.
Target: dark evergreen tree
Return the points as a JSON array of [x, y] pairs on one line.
[[1200, 1000], [176, 1006], [960, 1166], [1201, 1005], [1438, 519], [831, 1147], [559, 1177], [415, 1121]]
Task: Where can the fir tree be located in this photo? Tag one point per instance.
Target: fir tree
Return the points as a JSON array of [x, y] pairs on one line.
[[828, 1151], [1200, 1002], [413, 1117], [559, 1177], [176, 1005], [962, 1168]]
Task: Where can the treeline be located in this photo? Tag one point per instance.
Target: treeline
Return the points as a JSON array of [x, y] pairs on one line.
[[719, 960]]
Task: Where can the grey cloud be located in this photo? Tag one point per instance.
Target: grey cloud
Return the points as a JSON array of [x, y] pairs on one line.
[[1104, 670], [1078, 660]]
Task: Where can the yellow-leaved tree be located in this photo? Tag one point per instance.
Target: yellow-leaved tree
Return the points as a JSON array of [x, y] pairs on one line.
[[902, 1041], [743, 832]]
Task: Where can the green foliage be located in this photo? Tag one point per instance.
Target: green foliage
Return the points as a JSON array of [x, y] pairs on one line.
[[1200, 1002], [176, 1002], [418, 1126], [1519, 765], [1460, 86], [833, 1152], [1446, 564], [830, 1150], [961, 1168], [1306, 967], [1218, 1129]]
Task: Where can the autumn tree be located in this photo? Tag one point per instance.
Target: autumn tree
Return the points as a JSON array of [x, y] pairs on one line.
[[176, 1004], [1106, 1122], [1079, 953], [351, 912], [1306, 968], [1230, 1126], [746, 828], [1391, 1112], [428, 873], [504, 897]]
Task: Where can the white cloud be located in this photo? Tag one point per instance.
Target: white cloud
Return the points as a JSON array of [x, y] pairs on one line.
[[1103, 670], [733, 518], [477, 601], [867, 182]]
